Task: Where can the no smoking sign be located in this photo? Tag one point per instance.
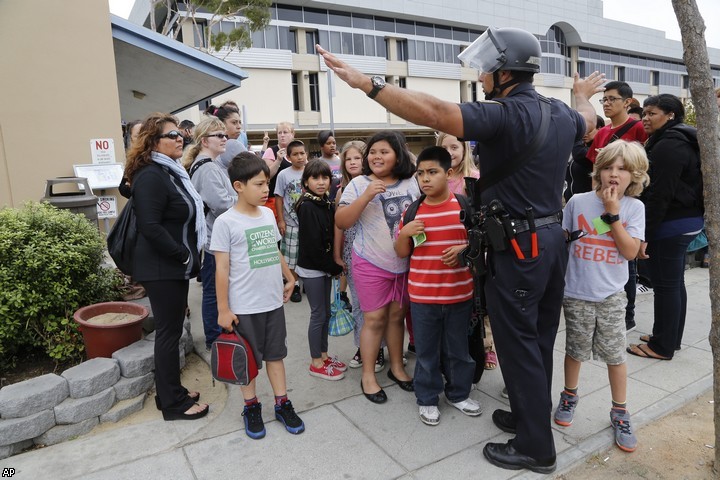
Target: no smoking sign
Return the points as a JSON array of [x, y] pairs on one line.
[[107, 207]]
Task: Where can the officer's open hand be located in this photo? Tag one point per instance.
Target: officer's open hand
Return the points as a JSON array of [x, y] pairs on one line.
[[590, 85], [348, 74]]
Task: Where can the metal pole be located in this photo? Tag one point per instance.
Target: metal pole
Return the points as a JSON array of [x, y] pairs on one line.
[[331, 94]]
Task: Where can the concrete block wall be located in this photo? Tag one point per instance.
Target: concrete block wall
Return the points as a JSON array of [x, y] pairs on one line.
[[53, 408]]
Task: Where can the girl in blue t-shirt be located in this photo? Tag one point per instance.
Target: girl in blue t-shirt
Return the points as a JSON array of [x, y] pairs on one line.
[[374, 203]]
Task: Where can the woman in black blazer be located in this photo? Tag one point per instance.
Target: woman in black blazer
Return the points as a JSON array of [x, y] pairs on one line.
[[167, 255]]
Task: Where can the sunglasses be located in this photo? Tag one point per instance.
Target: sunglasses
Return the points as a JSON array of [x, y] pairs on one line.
[[172, 135], [218, 135]]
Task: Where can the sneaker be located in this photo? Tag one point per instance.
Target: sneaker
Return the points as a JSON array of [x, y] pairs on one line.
[[468, 406], [296, 296], [254, 426], [629, 325], [380, 361], [411, 348], [430, 415], [566, 409], [346, 301], [356, 360], [286, 414], [642, 289], [336, 364], [504, 393], [624, 437], [326, 372]]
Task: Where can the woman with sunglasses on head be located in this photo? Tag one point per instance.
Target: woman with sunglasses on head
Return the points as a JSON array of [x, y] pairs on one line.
[[211, 181], [172, 232], [229, 114]]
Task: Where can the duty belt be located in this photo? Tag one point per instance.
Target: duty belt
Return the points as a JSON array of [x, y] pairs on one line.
[[520, 226]]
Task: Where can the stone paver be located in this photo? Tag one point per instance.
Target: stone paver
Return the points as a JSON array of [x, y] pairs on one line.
[[32, 396], [136, 359], [74, 410], [92, 376]]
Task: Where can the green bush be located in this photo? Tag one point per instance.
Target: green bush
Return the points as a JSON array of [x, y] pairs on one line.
[[51, 263]]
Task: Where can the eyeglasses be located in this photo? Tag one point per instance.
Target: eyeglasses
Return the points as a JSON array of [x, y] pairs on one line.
[[609, 99], [218, 135], [172, 135]]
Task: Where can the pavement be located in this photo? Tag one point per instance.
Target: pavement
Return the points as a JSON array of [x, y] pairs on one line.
[[347, 437]]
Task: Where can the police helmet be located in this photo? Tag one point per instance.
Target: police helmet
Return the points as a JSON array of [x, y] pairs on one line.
[[503, 49]]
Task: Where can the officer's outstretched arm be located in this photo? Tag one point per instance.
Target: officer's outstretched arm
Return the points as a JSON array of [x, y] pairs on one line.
[[416, 107]]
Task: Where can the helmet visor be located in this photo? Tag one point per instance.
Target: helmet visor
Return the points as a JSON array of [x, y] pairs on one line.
[[483, 54]]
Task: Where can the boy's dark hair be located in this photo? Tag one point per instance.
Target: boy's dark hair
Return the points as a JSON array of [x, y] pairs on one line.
[[599, 122], [293, 145], [636, 111], [324, 135], [404, 167], [667, 103], [185, 124], [316, 167], [245, 166], [436, 154], [622, 88]]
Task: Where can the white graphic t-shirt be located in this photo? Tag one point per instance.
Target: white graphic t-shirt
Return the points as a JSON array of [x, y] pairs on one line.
[[377, 226], [596, 268], [256, 281]]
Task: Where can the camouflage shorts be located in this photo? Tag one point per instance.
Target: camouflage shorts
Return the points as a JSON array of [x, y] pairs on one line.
[[597, 327]]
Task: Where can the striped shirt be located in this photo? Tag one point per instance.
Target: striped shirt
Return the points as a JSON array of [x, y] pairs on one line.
[[430, 280]]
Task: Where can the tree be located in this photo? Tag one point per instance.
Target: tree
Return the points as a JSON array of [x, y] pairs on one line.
[[695, 55], [206, 17]]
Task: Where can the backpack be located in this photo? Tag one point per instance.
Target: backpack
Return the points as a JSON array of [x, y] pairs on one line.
[[192, 171], [465, 210], [232, 359]]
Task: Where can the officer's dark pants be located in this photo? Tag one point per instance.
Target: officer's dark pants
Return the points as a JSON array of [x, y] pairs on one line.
[[524, 298]]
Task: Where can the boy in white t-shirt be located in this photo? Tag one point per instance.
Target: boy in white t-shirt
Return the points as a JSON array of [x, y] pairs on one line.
[[249, 285], [613, 224]]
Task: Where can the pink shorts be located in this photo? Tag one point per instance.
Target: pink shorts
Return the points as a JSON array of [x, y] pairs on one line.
[[377, 287]]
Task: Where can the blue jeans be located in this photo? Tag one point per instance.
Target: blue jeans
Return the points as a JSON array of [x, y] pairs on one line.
[[441, 333], [209, 300], [667, 272]]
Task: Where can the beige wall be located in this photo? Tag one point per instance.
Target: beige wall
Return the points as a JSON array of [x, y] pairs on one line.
[[58, 90]]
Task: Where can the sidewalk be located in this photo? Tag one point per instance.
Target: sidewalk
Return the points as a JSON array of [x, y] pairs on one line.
[[349, 437]]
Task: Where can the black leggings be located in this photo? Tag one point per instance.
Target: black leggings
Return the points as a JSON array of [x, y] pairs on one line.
[[168, 299]]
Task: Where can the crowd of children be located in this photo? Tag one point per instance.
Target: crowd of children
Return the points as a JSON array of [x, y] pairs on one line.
[[390, 264]]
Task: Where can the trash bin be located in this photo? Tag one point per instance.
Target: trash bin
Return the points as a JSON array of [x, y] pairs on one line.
[[80, 201]]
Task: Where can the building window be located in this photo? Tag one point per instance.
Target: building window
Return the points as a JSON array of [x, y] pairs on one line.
[[620, 74], [474, 91], [402, 82], [317, 16], [555, 52], [295, 91], [314, 92], [655, 79], [311, 38], [287, 39], [686, 82], [402, 50]]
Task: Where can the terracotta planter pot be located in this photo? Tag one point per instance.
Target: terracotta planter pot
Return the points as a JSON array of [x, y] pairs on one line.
[[103, 340]]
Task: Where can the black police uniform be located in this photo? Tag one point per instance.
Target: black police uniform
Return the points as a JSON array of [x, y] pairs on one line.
[[524, 297]]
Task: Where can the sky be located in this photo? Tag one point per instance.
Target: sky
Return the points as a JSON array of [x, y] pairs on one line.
[[656, 14]]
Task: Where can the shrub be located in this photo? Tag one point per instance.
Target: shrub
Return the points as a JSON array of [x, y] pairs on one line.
[[51, 263]]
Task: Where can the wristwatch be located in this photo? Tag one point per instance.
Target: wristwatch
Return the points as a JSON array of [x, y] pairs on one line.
[[609, 218], [378, 83]]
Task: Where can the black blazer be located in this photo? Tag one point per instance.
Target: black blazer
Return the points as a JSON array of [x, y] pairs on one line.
[[165, 214]]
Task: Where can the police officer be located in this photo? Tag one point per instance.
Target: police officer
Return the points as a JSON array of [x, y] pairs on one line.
[[524, 285]]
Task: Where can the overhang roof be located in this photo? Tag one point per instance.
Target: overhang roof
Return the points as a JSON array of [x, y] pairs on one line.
[[169, 75]]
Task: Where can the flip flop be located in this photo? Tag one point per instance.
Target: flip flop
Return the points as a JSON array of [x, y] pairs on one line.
[[645, 338], [643, 351], [490, 360]]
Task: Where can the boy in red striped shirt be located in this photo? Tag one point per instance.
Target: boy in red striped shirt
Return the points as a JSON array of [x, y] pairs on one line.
[[440, 290]]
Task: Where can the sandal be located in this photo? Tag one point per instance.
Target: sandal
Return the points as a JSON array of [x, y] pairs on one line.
[[643, 351], [490, 360], [645, 338], [194, 396], [196, 411]]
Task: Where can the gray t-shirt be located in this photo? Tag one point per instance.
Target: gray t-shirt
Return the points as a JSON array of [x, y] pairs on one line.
[[596, 269], [255, 280], [289, 186]]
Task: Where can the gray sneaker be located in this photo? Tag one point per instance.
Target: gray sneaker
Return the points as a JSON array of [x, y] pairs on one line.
[[429, 415], [566, 409], [624, 437]]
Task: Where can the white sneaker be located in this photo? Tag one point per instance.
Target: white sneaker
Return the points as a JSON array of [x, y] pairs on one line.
[[468, 406], [642, 289], [430, 415]]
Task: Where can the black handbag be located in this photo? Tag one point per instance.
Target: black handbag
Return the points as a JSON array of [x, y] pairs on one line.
[[122, 239]]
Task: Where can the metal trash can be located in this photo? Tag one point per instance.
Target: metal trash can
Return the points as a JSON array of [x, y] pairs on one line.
[[80, 201]]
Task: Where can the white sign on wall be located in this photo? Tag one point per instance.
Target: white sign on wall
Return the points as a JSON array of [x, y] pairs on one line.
[[102, 151], [107, 207]]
